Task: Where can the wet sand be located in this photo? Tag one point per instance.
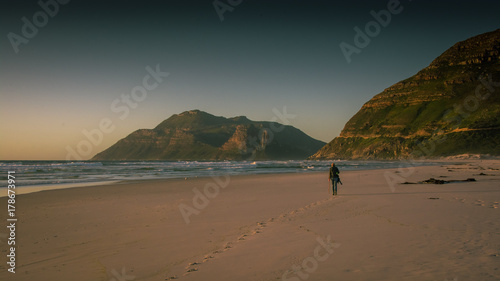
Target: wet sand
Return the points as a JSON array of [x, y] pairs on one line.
[[265, 227]]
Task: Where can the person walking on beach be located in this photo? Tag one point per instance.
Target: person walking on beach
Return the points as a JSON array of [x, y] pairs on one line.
[[334, 177]]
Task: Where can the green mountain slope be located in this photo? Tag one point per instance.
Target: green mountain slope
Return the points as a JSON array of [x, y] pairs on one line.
[[450, 107], [197, 135]]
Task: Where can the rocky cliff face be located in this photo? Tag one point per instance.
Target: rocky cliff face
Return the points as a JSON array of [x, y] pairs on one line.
[[197, 135], [450, 107]]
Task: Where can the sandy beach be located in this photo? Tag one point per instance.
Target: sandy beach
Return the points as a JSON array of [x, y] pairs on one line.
[[265, 227]]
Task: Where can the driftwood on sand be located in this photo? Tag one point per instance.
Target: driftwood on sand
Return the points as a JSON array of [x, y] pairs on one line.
[[435, 181]]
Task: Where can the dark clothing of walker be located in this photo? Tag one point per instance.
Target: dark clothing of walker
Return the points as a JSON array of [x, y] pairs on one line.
[[335, 178]]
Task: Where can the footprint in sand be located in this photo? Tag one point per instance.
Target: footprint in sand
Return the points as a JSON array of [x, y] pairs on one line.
[[479, 203], [207, 258], [228, 246], [191, 264], [190, 268]]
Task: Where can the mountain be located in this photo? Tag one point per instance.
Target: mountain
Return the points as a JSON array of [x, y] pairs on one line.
[[197, 135], [450, 107]]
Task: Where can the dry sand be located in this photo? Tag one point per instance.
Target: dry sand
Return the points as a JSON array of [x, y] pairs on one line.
[[265, 227]]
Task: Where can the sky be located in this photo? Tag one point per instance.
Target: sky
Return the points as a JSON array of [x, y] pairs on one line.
[[73, 74]]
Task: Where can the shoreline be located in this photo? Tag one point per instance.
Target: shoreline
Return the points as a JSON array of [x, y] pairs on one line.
[[26, 189]]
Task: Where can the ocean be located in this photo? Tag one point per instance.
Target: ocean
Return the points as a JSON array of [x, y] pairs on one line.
[[56, 174]]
